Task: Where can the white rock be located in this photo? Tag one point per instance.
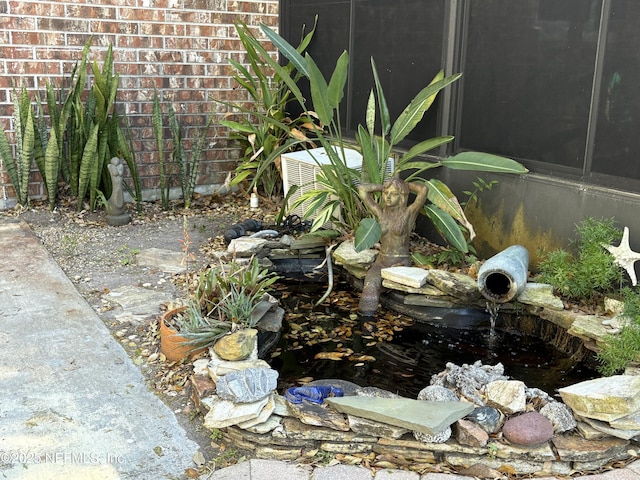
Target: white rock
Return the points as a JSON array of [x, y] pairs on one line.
[[246, 245], [508, 396], [410, 276], [224, 413]]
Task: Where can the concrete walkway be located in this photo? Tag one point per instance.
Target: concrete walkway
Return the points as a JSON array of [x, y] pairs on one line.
[[74, 406]]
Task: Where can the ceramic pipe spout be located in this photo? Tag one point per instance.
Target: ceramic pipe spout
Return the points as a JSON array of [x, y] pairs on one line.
[[503, 277]]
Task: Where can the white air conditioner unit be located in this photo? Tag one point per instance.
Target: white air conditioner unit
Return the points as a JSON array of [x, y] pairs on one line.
[[300, 168]]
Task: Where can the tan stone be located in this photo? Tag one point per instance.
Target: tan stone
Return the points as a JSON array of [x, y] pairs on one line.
[[428, 290], [575, 448], [296, 429], [606, 398], [455, 284], [589, 327], [508, 396], [237, 346]]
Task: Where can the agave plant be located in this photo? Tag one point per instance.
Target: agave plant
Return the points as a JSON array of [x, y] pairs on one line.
[[336, 199], [224, 301]]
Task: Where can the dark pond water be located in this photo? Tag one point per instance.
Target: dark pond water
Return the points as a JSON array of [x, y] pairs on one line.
[[398, 354]]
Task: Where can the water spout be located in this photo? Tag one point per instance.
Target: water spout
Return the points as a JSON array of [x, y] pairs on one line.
[[503, 277]]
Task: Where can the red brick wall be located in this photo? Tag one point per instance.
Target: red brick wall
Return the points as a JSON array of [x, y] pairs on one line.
[[180, 47]]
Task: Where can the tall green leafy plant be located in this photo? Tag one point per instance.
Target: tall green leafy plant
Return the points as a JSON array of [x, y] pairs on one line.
[[84, 132], [157, 122], [262, 126], [337, 199], [25, 135], [188, 164]]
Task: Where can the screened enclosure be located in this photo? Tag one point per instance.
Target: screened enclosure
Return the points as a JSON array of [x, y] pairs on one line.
[[551, 83]]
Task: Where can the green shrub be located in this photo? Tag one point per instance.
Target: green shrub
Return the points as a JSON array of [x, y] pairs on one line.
[[620, 350], [591, 271]]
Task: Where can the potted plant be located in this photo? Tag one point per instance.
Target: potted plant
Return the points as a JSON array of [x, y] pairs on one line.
[[223, 302]]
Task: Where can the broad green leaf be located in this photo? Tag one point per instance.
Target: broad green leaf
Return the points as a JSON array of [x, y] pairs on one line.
[[424, 147], [442, 197], [319, 92], [370, 116], [338, 80], [447, 226], [385, 118], [324, 216], [28, 142], [483, 162], [370, 170], [287, 50], [367, 234], [87, 164], [241, 127], [52, 167], [414, 112]]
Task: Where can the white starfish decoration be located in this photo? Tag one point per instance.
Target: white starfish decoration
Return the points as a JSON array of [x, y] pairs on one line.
[[624, 256]]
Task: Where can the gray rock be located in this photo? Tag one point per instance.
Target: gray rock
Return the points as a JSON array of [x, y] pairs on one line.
[[560, 416], [246, 386], [375, 392], [488, 418], [437, 393], [246, 246], [457, 285], [224, 413], [439, 437], [372, 428], [469, 380], [531, 428], [345, 254], [417, 415]]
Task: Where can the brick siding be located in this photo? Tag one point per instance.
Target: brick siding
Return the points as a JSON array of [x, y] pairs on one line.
[[179, 47]]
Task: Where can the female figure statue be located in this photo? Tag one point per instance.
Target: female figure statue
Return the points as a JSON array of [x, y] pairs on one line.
[[397, 221]]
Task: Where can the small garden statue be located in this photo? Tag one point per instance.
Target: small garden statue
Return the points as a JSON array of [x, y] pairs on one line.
[[115, 205], [397, 220]]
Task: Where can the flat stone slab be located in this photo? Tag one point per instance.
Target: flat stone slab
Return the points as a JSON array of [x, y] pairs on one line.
[[540, 295], [417, 415], [167, 261], [138, 304], [409, 276], [589, 327], [606, 398]]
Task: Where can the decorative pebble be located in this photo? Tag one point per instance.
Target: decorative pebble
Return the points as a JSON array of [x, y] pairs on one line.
[[531, 428], [560, 416], [488, 418]]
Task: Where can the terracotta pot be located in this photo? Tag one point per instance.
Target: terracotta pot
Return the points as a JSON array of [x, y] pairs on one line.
[[173, 345]]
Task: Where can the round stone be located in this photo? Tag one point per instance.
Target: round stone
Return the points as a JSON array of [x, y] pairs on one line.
[[439, 437], [488, 418], [528, 429], [437, 393]]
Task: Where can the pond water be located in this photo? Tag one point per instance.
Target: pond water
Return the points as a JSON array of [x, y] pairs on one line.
[[396, 353]]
